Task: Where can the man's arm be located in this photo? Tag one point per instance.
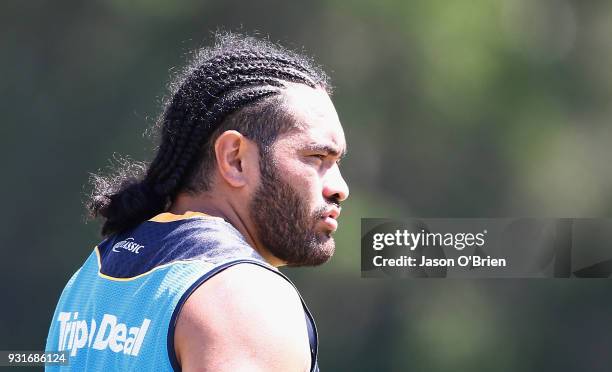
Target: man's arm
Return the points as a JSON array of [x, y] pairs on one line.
[[245, 318]]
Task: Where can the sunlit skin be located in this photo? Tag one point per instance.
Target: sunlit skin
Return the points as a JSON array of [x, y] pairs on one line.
[[307, 157], [247, 318], [311, 155]]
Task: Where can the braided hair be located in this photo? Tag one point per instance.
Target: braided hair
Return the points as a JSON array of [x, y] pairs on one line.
[[236, 84]]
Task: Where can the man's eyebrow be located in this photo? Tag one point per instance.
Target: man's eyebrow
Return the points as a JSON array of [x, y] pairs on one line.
[[330, 149]]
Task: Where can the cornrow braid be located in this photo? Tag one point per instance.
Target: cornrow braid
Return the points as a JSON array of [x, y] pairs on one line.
[[246, 54], [172, 182], [237, 84], [211, 117]]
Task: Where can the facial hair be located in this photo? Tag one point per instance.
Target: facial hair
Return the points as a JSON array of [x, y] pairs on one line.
[[285, 225]]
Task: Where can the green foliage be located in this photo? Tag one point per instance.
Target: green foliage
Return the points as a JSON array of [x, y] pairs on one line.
[[480, 108]]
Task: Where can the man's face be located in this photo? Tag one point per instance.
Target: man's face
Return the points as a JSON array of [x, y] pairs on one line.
[[296, 206]]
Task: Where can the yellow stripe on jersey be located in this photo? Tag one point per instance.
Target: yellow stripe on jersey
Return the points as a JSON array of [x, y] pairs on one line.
[[170, 217], [102, 275]]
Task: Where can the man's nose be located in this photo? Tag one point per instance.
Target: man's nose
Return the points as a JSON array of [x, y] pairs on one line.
[[334, 186]]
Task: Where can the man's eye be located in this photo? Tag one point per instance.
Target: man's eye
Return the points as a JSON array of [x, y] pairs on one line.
[[319, 156]]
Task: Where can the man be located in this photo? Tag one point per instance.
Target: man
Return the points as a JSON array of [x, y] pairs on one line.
[[245, 180]]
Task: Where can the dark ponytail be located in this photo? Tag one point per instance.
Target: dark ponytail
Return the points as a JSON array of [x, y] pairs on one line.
[[124, 199], [232, 85]]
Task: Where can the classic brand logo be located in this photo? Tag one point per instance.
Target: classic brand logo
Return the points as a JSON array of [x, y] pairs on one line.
[[129, 245], [76, 334]]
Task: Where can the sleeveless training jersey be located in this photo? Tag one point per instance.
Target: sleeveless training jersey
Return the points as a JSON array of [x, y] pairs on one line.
[[118, 311]]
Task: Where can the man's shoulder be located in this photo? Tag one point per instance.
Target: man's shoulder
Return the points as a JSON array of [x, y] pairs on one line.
[[245, 310], [245, 292], [252, 278]]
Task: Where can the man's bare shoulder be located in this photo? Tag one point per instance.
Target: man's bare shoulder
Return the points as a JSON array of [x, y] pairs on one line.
[[244, 318]]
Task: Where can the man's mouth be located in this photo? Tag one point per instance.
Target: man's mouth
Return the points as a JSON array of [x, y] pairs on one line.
[[330, 216], [331, 223]]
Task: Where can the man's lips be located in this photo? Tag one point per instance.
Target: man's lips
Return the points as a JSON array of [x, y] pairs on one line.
[[333, 212], [330, 217], [331, 223]]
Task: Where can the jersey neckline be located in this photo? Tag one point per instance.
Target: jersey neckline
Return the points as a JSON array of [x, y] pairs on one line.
[[170, 217]]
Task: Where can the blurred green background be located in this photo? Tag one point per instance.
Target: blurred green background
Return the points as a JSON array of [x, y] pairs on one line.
[[450, 108]]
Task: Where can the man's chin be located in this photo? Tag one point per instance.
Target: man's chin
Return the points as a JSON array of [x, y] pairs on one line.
[[319, 254], [325, 236]]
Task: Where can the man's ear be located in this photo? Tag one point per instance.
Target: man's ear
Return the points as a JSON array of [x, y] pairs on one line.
[[231, 148]]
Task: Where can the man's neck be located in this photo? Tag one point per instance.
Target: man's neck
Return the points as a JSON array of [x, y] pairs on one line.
[[219, 206]]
